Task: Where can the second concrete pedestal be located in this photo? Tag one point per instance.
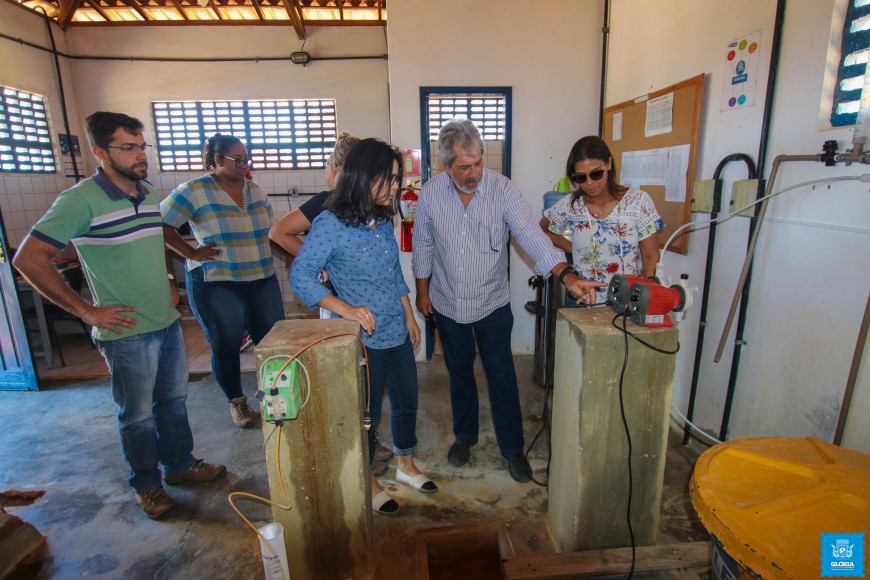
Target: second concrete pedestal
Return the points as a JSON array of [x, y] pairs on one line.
[[323, 454], [589, 472]]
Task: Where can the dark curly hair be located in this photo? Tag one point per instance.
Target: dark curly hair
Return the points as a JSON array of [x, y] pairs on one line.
[[368, 167], [217, 144]]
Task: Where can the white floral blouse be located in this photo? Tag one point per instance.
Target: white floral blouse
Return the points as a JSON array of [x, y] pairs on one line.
[[608, 246]]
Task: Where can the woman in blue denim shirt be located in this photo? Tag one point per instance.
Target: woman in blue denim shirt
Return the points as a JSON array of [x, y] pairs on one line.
[[354, 242]]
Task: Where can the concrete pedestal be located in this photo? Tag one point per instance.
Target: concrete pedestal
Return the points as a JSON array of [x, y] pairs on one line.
[[323, 454], [589, 470]]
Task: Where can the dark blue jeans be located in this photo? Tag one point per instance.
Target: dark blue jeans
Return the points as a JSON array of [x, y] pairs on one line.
[[225, 310], [493, 336], [149, 386], [395, 369]]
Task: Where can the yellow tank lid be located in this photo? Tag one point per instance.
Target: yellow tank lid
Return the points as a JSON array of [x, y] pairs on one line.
[[768, 500]]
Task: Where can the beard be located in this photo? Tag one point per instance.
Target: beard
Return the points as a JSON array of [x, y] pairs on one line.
[[469, 186], [131, 172]]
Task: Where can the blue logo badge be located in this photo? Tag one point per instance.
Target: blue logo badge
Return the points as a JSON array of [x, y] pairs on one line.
[[843, 555]]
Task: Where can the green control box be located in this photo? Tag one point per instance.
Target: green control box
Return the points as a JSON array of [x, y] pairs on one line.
[[284, 405]]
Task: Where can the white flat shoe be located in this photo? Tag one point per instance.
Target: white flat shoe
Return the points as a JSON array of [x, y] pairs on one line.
[[384, 504], [421, 483]]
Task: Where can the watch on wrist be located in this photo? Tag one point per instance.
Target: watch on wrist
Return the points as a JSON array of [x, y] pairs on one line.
[[565, 272], [171, 277]]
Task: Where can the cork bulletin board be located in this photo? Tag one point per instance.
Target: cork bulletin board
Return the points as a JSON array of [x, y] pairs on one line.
[[635, 139]]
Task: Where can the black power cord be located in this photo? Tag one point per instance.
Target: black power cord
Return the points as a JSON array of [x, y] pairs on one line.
[[626, 334]]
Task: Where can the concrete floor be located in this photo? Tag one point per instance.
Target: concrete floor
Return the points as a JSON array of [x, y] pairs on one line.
[[64, 440]]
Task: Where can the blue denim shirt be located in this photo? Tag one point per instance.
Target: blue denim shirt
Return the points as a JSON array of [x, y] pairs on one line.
[[363, 266]]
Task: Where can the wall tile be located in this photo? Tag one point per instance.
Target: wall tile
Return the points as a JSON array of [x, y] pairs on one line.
[[12, 185], [25, 184], [29, 201], [16, 202]]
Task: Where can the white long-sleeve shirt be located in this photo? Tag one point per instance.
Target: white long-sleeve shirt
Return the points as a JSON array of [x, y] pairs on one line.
[[464, 250]]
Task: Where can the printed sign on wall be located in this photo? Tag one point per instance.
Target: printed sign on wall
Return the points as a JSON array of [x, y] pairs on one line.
[[741, 72]]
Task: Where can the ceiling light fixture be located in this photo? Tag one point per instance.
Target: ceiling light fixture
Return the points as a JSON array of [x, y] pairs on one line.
[[300, 58]]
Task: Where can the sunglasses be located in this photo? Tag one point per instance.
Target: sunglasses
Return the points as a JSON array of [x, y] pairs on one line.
[[580, 178]]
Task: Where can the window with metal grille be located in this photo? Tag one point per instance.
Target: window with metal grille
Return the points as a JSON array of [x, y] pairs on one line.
[[487, 113], [279, 134], [853, 63], [25, 142]]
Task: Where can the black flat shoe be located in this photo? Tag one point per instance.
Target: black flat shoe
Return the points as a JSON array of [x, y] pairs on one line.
[[459, 453], [519, 468]]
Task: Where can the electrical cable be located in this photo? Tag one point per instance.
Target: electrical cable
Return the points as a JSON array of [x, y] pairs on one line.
[[628, 439], [736, 212], [545, 418], [695, 427], [639, 339]]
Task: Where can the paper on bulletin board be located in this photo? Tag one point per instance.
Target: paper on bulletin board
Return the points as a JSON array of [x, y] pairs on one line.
[[667, 166], [741, 72], [617, 127], [659, 115]]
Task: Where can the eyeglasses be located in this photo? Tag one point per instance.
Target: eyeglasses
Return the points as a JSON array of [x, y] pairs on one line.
[[130, 147], [580, 178], [238, 162]]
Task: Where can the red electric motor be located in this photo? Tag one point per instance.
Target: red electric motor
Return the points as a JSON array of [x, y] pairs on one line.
[[649, 304]]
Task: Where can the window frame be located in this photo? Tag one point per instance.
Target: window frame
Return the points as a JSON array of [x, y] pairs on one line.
[[850, 42], [39, 126], [277, 139]]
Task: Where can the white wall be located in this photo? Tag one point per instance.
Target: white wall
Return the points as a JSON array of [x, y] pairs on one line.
[[549, 52], [810, 277], [24, 197]]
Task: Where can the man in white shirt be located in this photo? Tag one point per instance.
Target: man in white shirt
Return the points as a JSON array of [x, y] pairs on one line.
[[462, 226]]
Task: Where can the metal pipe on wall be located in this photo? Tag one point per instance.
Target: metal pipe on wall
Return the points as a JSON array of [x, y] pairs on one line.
[[775, 52], [54, 53], [708, 271]]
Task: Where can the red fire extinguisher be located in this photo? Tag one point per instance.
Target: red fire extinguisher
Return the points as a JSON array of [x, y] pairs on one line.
[[408, 207]]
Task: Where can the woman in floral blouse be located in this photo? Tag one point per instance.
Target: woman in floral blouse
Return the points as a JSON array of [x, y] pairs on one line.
[[613, 228]]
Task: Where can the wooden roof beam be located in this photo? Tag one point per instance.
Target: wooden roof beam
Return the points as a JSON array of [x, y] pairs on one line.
[[213, 5], [134, 4], [95, 4], [258, 9], [295, 14], [180, 9], [66, 11]]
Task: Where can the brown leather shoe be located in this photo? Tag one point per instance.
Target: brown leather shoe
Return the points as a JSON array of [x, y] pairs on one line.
[[199, 471], [382, 453], [155, 503], [241, 413]]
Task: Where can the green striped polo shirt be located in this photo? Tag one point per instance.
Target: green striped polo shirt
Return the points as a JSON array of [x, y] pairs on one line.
[[119, 240]]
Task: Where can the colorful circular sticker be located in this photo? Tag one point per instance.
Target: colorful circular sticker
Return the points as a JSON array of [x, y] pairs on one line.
[[753, 47], [732, 101], [731, 55], [741, 99], [742, 45], [741, 66]]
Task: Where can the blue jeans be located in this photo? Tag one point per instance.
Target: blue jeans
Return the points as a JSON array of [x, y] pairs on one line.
[[493, 336], [395, 369], [149, 386], [224, 311]]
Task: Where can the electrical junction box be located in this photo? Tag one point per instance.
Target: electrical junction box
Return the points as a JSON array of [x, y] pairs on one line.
[[282, 398], [742, 193], [702, 196]]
